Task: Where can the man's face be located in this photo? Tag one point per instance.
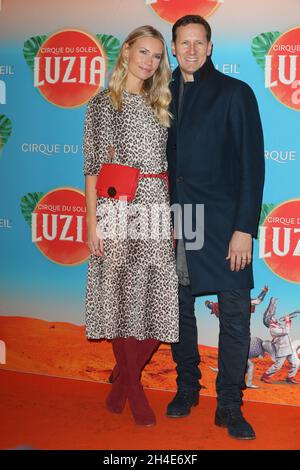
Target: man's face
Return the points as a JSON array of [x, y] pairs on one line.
[[191, 49]]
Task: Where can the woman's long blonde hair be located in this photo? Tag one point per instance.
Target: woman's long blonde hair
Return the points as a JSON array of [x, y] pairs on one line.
[[155, 88]]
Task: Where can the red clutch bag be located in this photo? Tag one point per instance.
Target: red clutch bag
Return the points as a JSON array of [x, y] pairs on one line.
[[116, 181]]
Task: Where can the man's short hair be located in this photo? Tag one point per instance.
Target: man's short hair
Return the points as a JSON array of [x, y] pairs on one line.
[[191, 19]]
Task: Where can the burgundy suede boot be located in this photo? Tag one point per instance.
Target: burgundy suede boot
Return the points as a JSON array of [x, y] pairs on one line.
[[140, 408], [145, 353], [116, 399]]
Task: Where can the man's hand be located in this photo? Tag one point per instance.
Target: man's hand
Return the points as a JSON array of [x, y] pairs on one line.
[[240, 250]]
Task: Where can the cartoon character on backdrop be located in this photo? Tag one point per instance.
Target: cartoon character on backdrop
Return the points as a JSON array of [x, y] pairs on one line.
[[284, 348], [214, 306], [258, 347]]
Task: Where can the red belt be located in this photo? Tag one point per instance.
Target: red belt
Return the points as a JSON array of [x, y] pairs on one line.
[[163, 176]]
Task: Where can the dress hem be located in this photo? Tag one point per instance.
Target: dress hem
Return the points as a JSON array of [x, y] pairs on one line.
[[162, 340]]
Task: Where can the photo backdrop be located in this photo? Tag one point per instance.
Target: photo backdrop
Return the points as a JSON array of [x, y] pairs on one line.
[[55, 55]]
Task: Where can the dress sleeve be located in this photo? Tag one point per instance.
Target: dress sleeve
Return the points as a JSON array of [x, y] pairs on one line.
[[97, 134]]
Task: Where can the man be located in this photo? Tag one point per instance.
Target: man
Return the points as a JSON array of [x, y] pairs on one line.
[[216, 158]]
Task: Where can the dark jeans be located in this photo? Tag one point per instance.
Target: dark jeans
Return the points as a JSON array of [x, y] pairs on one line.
[[234, 341]]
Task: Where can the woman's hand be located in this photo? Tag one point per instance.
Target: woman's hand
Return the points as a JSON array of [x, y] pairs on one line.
[[94, 239], [95, 243]]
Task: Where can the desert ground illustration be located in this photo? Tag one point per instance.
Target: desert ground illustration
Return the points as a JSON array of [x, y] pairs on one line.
[[62, 350]]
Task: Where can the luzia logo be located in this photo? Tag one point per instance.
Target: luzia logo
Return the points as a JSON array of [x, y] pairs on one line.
[[278, 55], [70, 66], [279, 239], [58, 225], [2, 352], [2, 92]]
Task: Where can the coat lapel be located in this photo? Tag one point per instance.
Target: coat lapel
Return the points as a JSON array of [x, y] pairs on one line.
[[174, 87], [191, 93]]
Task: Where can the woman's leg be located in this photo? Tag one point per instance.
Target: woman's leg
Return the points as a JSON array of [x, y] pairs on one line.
[[144, 355], [137, 353], [116, 399]]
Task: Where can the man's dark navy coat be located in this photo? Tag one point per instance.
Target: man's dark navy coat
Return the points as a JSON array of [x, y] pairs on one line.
[[216, 158]]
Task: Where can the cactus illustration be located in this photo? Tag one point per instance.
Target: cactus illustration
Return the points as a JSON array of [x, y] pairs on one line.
[[111, 47], [28, 204], [261, 45], [31, 48], [5, 130]]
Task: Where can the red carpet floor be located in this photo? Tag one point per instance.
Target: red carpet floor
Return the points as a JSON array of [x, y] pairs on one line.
[[53, 413]]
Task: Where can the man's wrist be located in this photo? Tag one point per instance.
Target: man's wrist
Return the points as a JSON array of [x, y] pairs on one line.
[[243, 229], [243, 233]]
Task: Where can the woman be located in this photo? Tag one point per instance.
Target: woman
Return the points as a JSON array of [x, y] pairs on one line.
[[132, 286]]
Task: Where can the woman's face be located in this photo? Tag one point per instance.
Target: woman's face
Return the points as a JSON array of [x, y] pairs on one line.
[[143, 58]]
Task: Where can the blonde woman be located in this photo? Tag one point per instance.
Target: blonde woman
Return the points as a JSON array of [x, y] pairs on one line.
[[132, 286]]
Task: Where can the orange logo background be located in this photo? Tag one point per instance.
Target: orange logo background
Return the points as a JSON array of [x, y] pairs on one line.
[[171, 10]]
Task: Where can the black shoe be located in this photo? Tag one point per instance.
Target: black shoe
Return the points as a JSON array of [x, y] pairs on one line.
[[182, 403], [234, 421]]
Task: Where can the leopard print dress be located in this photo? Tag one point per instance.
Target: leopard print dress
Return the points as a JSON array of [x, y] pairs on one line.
[[133, 289]]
